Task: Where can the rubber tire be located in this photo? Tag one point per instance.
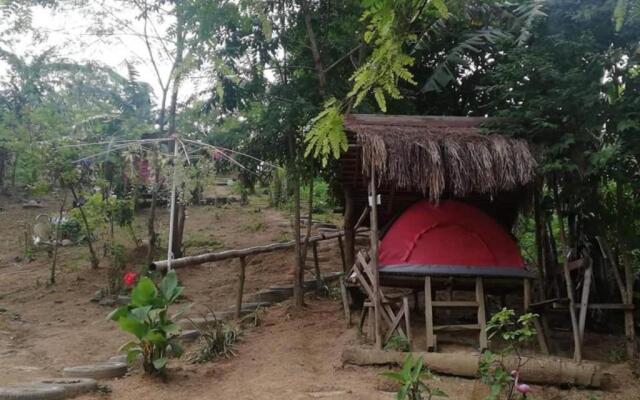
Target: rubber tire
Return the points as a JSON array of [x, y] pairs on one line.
[[33, 392], [105, 370], [73, 386]]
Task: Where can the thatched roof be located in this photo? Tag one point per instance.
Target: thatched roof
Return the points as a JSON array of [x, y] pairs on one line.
[[436, 155]]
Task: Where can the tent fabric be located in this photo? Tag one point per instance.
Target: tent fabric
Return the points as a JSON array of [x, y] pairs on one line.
[[450, 233]]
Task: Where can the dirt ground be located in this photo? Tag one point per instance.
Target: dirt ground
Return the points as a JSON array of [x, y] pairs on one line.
[[290, 355]]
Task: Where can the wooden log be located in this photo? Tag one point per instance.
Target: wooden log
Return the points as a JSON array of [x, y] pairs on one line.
[[539, 369], [243, 267], [236, 253]]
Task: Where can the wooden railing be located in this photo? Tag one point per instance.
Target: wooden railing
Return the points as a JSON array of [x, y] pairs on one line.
[[241, 254]]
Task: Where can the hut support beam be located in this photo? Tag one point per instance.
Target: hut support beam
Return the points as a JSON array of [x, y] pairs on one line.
[[374, 256]]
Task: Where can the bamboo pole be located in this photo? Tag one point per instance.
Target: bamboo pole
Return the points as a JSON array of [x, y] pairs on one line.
[[173, 204], [227, 254], [243, 267], [373, 234]]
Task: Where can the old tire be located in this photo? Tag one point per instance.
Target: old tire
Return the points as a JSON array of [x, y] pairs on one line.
[[106, 370], [32, 392], [72, 386]]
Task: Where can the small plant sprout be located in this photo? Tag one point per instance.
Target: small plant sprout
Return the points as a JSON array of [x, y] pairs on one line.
[[146, 317], [411, 379], [515, 332]]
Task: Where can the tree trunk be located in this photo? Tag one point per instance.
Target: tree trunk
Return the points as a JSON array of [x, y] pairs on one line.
[[56, 244], [626, 261], [173, 105], [14, 169], [315, 52], [94, 259], [3, 164], [577, 351], [298, 288], [178, 230], [151, 223], [179, 216], [539, 231]]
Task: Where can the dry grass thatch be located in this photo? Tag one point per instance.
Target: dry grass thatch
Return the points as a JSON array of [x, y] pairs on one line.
[[437, 155]]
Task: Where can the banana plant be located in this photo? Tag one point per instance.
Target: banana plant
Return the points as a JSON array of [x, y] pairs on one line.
[[147, 318]]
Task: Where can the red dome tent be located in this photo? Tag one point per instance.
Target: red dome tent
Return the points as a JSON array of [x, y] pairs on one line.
[[406, 165], [449, 238]]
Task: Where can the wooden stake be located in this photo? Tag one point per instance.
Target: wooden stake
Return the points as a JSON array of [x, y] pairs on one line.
[[243, 267], [482, 314], [342, 255], [316, 266], [374, 257], [540, 331], [428, 314]]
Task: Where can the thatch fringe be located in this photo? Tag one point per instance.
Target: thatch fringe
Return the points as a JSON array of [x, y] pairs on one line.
[[437, 160]]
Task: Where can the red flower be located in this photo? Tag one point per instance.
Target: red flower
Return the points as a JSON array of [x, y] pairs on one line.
[[130, 278]]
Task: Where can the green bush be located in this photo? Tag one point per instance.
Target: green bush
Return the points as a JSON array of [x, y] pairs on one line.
[[71, 229], [146, 317], [412, 386]]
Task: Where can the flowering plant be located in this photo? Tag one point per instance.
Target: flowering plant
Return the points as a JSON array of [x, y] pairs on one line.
[[130, 278], [146, 317], [516, 332]]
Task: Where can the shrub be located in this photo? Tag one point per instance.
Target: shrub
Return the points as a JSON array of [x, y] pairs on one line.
[[412, 386], [515, 332], [146, 317], [217, 339], [71, 229], [398, 343]]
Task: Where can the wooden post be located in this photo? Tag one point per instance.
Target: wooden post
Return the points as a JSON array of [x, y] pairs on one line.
[[482, 314], [584, 300], [316, 266], [342, 255], [407, 321], [345, 301], [349, 232], [540, 331], [243, 267], [374, 256], [428, 314]]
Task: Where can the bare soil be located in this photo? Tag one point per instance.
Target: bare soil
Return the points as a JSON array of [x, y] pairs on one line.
[[290, 355]]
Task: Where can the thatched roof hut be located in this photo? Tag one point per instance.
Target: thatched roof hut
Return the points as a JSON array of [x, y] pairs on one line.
[[435, 158], [438, 155]]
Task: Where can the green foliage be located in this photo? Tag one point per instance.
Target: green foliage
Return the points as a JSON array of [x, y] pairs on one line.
[[515, 332], [326, 136], [71, 229], [397, 343], [278, 190], [411, 379], [146, 317], [94, 211], [217, 340]]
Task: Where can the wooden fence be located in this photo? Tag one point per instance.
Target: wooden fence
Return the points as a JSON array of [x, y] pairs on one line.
[[242, 254]]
